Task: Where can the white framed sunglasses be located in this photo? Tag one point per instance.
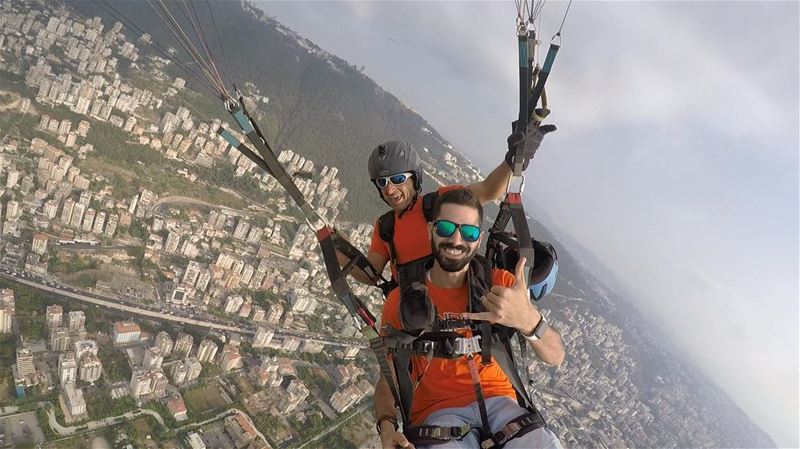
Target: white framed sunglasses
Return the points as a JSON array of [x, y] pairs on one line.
[[394, 179]]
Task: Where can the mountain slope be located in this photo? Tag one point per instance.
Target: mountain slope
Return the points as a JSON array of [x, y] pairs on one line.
[[319, 105]]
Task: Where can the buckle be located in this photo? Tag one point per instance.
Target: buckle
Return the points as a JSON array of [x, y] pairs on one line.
[[459, 432], [514, 179], [467, 346], [427, 346], [508, 432]]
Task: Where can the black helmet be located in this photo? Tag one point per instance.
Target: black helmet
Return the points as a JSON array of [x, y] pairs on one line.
[[544, 274], [395, 157]]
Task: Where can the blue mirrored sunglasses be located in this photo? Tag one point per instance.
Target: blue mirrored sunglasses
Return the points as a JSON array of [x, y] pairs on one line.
[[446, 228], [394, 179]]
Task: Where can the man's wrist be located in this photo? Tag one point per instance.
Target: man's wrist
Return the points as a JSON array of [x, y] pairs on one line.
[[386, 422], [530, 327]]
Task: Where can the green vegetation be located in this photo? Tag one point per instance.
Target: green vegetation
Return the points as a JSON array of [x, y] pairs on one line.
[[162, 410], [100, 405], [137, 230], [41, 415], [13, 82], [337, 440], [313, 426], [31, 328], [210, 370], [16, 124], [318, 379], [137, 252], [85, 280], [115, 365], [203, 401], [71, 263], [272, 427], [7, 390]]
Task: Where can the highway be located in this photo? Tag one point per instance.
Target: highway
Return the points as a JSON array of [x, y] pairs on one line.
[[24, 278], [31, 281]]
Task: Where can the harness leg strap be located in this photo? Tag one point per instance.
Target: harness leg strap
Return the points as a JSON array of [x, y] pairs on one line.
[[515, 428]]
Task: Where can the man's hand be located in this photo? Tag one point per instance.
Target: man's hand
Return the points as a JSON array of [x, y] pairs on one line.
[[532, 139], [510, 306], [391, 438]]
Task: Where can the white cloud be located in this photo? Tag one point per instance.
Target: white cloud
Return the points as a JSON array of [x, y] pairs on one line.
[[644, 75]]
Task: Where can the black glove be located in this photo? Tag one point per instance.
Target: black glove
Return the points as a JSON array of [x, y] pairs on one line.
[[535, 134]]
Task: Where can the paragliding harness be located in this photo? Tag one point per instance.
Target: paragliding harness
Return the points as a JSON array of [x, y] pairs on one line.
[[425, 334], [407, 272]]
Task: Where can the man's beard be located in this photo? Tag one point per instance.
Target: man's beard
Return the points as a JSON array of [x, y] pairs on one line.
[[449, 263]]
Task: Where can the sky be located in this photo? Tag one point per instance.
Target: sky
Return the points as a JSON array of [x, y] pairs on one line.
[[675, 161]]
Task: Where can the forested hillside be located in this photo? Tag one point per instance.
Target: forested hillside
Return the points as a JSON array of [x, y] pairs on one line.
[[319, 105]]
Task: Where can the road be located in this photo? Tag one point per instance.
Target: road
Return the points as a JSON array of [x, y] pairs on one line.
[[75, 294], [363, 407], [82, 296], [94, 425]]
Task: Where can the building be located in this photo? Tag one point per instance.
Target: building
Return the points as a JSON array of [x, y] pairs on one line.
[[177, 408], [245, 310], [291, 343], [67, 368], [152, 383], [313, 346], [194, 441], [351, 352], [296, 393], [186, 371], [84, 347], [126, 332], [164, 342], [6, 310], [207, 351], [267, 373], [274, 314], [263, 337], [153, 358], [53, 315], [233, 304], [302, 302], [231, 358], [258, 314], [191, 273], [77, 321], [91, 368], [73, 403], [39, 244], [183, 345], [193, 369], [59, 339], [140, 383], [178, 372], [25, 367], [240, 430]]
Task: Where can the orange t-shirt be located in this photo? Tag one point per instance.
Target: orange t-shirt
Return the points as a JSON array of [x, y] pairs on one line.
[[410, 233], [447, 382]]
